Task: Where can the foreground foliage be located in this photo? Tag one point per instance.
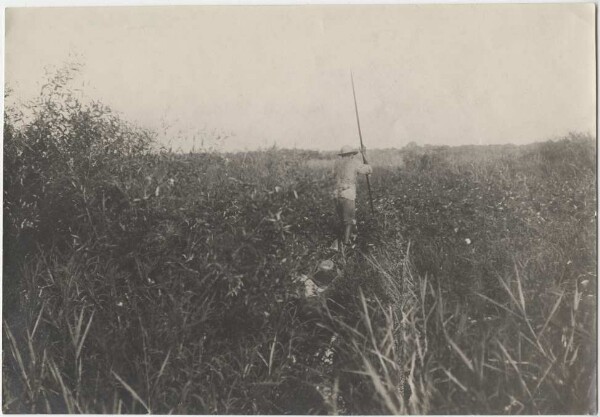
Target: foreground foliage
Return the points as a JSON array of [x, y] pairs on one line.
[[139, 281]]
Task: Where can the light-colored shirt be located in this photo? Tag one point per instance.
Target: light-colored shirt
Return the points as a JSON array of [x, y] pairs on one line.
[[345, 171]]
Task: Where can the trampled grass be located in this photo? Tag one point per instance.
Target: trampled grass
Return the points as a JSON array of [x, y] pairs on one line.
[[139, 281]]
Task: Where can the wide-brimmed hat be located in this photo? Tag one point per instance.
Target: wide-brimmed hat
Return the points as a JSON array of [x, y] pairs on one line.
[[348, 150]]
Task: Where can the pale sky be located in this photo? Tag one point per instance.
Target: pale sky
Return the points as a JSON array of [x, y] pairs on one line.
[[436, 74]]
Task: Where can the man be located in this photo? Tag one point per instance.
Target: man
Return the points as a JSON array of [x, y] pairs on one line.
[[345, 170]]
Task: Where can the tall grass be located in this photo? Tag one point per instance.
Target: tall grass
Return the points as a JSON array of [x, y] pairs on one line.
[[140, 281], [507, 246]]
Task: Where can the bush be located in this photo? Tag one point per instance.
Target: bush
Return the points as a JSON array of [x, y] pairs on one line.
[[60, 159]]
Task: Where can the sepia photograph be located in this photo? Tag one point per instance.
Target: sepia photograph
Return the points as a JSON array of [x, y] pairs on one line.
[[348, 209]]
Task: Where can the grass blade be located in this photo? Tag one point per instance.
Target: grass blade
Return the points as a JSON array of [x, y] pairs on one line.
[[272, 353], [515, 367], [498, 305], [132, 392], [551, 313], [67, 396], [162, 367], [87, 328], [462, 355], [455, 380], [17, 356], [37, 321], [521, 297]]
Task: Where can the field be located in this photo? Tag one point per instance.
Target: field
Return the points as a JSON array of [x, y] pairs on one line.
[[140, 281]]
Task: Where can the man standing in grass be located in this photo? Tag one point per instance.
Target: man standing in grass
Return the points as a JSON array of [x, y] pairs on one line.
[[345, 170]]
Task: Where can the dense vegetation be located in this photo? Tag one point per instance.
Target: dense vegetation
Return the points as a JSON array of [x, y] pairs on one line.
[[142, 281]]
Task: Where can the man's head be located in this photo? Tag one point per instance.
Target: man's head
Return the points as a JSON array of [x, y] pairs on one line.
[[347, 151]]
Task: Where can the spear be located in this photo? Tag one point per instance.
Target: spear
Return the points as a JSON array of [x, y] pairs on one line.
[[361, 145]]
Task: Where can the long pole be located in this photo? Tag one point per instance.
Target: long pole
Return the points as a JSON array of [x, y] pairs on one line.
[[361, 145]]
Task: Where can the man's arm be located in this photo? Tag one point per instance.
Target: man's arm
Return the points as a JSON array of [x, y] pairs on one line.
[[364, 169]]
